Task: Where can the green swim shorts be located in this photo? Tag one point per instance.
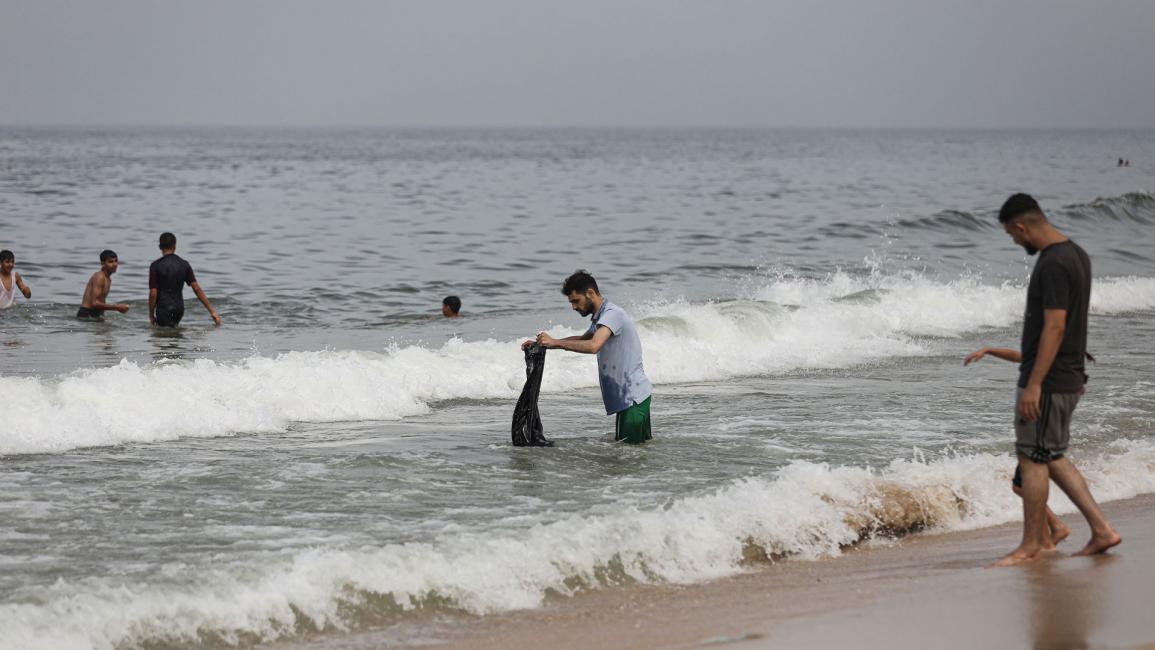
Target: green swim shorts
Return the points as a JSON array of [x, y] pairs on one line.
[[633, 424]]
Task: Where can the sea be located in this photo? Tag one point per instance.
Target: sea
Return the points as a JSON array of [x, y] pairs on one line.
[[335, 458]]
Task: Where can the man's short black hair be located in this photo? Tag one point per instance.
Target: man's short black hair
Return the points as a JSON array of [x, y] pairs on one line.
[[167, 241], [453, 302], [7, 255], [106, 255], [579, 282], [1018, 205]]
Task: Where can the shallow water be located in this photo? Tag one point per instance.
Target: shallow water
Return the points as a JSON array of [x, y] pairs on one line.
[[337, 453]]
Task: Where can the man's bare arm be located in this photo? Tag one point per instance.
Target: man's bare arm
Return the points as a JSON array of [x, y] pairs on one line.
[[23, 287], [1006, 354], [1054, 326], [196, 287], [585, 344], [152, 306], [580, 337]]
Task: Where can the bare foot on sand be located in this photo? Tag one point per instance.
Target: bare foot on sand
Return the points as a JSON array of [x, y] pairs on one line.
[[1020, 555], [1100, 543]]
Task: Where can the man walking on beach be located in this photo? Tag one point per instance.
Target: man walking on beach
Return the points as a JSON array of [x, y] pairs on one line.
[[613, 337], [92, 305], [1051, 378], [10, 280], [166, 279]]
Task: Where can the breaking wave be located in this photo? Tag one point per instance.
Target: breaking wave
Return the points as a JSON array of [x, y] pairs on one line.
[[805, 511], [785, 326]]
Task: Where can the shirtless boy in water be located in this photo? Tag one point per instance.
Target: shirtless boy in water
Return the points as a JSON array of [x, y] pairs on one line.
[[92, 306]]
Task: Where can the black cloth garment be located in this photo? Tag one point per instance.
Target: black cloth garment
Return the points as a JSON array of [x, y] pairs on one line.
[[527, 430]]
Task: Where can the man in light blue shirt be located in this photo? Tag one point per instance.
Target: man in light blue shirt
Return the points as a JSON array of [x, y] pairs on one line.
[[614, 338]]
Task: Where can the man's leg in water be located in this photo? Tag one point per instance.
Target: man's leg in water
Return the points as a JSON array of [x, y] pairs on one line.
[[1069, 480], [1036, 483]]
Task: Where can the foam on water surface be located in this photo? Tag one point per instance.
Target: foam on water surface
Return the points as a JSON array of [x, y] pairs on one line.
[[788, 325], [804, 511]]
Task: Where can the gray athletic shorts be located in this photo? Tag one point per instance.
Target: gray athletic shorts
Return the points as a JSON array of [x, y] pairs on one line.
[[1046, 439]]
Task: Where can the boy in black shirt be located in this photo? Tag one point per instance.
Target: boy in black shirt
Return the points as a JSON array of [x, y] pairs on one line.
[[166, 279]]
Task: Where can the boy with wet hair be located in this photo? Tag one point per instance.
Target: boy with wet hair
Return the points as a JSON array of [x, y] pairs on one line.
[[451, 307], [166, 279], [93, 305], [10, 280]]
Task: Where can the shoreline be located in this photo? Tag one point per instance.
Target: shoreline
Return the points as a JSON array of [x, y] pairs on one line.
[[924, 588]]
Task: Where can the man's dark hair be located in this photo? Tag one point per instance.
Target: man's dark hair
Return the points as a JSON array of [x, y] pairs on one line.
[[579, 282], [106, 255], [1017, 206], [7, 255], [167, 241], [453, 302]]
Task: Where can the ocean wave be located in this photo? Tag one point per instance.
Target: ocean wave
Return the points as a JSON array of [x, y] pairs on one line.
[[952, 220], [785, 326], [805, 511], [1133, 207]]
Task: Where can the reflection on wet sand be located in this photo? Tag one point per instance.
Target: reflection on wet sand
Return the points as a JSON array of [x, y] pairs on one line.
[[1065, 601]]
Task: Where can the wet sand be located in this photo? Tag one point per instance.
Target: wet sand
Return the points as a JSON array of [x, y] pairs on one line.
[[929, 589]]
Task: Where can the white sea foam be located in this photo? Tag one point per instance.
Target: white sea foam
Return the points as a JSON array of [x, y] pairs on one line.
[[805, 510], [787, 325]]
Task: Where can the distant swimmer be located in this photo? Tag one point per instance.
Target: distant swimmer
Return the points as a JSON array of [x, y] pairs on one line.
[[93, 305], [451, 307], [1120, 164], [612, 335], [1051, 378], [10, 280], [166, 279]]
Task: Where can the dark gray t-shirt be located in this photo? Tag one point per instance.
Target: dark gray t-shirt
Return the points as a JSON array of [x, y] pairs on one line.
[[168, 275], [1061, 280]]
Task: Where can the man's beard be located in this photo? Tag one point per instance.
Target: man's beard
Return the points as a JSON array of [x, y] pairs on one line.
[[1031, 250]]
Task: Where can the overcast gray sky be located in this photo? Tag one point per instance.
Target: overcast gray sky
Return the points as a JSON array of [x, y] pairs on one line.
[[579, 63]]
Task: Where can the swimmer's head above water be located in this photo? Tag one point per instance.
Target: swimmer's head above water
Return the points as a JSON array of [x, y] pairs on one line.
[[451, 307]]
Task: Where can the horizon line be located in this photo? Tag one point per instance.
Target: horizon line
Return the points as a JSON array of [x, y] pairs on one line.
[[575, 127]]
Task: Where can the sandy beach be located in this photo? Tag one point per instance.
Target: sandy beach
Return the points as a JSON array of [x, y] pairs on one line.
[[927, 589]]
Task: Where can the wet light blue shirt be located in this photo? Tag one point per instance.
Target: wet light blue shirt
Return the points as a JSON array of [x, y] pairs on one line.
[[620, 373]]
